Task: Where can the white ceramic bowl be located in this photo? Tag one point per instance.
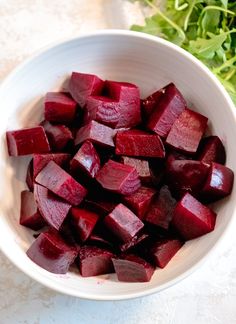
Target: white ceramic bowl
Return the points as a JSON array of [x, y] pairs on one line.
[[120, 55]]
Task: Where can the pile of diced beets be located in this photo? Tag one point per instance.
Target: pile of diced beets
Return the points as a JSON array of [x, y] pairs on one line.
[[117, 184]]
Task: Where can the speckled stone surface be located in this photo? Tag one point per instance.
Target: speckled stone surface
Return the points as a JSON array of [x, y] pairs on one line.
[[208, 296]]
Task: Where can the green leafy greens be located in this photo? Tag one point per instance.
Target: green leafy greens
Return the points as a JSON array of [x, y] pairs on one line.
[[205, 28]]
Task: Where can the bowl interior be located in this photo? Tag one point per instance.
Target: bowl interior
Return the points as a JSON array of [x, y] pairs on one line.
[[146, 61]]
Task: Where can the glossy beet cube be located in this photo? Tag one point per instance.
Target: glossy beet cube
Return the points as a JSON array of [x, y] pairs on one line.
[[53, 209], [83, 85], [219, 183], [211, 149], [192, 219], [96, 133], [59, 136], [142, 167], [59, 107], [29, 214], [83, 221], [50, 252], [134, 242], [94, 261], [186, 175], [128, 96], [131, 268], [104, 110], [160, 211], [151, 102], [169, 107], [162, 251], [123, 223], [139, 143], [187, 131], [86, 159], [41, 160], [139, 201], [54, 178], [119, 178], [27, 141], [29, 176]]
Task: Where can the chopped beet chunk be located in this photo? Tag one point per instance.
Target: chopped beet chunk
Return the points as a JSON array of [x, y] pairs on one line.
[[142, 167], [59, 136], [41, 160], [29, 176], [211, 149], [150, 103]]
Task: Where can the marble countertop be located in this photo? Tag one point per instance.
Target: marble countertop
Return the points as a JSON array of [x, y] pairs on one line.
[[207, 296]]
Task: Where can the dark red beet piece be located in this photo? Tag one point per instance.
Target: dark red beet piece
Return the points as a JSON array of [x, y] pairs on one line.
[[50, 252], [94, 261], [59, 107], [139, 143], [96, 133], [82, 85], [186, 175], [131, 268], [128, 96], [29, 214], [101, 205], [29, 176], [104, 110], [98, 240], [169, 107], [161, 209], [136, 240], [219, 183], [151, 102], [157, 170], [141, 166], [139, 201], [119, 178], [53, 209], [54, 178], [123, 223], [27, 141], [211, 149], [86, 159], [41, 160], [59, 136], [83, 221], [192, 219], [163, 251], [187, 131]]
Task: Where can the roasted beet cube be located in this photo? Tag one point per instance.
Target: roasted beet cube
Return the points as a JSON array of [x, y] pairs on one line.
[[104, 110], [119, 178], [219, 183], [54, 178], [84, 222], [29, 214], [27, 141], [53, 209], [151, 102], [128, 96], [59, 136], [186, 175], [161, 209], [96, 133], [50, 252], [131, 268], [139, 143], [29, 176], [82, 85], [211, 149], [134, 242], [139, 201], [86, 159], [169, 107], [41, 160], [142, 167], [59, 107], [94, 261], [192, 219], [187, 131], [123, 223], [162, 251]]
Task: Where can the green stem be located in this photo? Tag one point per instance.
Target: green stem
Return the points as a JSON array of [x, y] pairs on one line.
[[230, 74], [182, 7], [189, 14], [215, 8], [225, 65]]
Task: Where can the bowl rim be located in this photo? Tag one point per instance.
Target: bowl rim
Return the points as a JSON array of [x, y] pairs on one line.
[[126, 33]]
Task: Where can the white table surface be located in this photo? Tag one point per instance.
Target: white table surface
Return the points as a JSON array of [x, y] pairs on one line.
[[206, 297]]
